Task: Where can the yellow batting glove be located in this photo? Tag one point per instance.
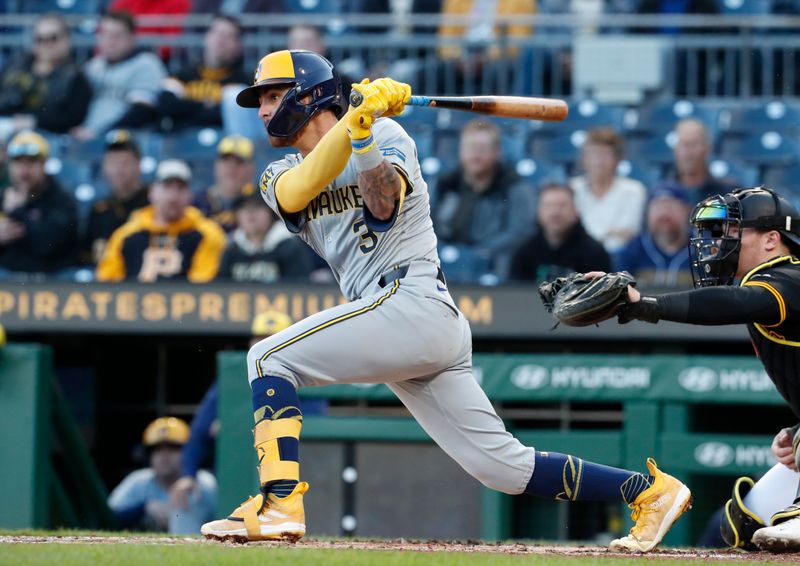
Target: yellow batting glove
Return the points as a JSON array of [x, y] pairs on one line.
[[396, 94], [373, 105]]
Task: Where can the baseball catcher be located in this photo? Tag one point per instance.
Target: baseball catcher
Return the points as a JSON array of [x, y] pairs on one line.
[[745, 258]]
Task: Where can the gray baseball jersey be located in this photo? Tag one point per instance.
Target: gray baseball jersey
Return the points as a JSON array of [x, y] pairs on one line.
[[407, 333], [334, 225]]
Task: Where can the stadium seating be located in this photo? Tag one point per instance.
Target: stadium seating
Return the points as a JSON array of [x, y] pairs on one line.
[[656, 149], [537, 172], [562, 148], [58, 6], [775, 116], [662, 116], [770, 148], [784, 179], [645, 174], [586, 114], [461, 264], [744, 175], [744, 7]]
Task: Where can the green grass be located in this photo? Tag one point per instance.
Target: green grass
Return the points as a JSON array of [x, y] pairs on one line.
[[197, 552], [179, 555]]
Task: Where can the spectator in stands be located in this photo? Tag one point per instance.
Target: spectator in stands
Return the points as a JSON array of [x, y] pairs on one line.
[[168, 240], [261, 249], [481, 42], [125, 80], [138, 8], [611, 207], [123, 174], [560, 244], [192, 96], [659, 256], [483, 204], [311, 38], [692, 151], [39, 221], [233, 177], [45, 89], [142, 499]]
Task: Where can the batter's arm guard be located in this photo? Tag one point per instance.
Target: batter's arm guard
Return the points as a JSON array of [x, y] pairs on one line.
[[739, 523]]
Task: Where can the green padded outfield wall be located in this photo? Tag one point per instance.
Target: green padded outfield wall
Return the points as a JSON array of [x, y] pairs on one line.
[[24, 435]]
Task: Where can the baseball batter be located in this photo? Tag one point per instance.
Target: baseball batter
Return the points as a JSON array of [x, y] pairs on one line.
[[355, 194]]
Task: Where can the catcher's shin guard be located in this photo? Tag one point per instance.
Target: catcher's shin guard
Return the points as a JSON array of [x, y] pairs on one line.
[[738, 523]]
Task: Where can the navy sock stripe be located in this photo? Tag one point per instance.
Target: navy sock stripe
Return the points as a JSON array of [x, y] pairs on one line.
[[280, 488]]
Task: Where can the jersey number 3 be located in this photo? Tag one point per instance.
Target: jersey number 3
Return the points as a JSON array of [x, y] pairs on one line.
[[369, 238]]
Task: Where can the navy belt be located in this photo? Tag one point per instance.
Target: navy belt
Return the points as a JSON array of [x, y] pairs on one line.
[[402, 271]]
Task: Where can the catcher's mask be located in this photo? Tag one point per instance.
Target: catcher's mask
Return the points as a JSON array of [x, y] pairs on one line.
[[718, 222], [309, 74]]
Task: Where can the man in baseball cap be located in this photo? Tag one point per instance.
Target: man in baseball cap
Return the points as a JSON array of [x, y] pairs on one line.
[[39, 221], [261, 249], [122, 173], [168, 239], [234, 171], [142, 498], [659, 255]]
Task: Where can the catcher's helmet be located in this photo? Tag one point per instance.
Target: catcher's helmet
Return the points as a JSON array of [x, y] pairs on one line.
[[718, 222], [310, 74]]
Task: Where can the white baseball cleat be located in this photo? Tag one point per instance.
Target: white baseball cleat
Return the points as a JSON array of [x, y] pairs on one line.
[[258, 518], [784, 533], [654, 510]]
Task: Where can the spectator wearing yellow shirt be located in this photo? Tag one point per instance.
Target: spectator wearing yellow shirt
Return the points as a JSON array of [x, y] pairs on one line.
[[167, 240]]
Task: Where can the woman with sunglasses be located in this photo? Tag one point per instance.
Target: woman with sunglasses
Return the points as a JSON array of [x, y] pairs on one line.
[[45, 89]]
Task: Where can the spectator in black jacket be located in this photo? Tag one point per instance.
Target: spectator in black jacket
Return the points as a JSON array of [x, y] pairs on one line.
[[192, 96], [560, 245], [233, 177], [45, 89], [483, 204], [39, 222], [123, 174], [262, 250]]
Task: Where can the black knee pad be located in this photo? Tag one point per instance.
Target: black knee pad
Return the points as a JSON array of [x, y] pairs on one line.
[[738, 522]]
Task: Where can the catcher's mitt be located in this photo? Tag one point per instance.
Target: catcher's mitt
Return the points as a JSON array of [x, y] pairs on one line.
[[579, 301]]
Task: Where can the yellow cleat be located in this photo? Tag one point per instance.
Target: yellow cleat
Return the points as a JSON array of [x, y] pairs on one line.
[[257, 519], [655, 510]]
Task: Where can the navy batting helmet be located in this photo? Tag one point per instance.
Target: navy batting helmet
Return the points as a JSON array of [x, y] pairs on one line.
[[718, 222], [309, 74]]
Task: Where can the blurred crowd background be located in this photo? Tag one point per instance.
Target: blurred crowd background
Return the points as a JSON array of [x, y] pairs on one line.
[[126, 158]]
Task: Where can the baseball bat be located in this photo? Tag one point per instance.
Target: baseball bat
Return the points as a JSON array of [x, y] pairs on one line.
[[529, 108]]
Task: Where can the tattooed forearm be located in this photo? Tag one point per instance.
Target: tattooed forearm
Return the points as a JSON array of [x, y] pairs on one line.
[[380, 188]]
